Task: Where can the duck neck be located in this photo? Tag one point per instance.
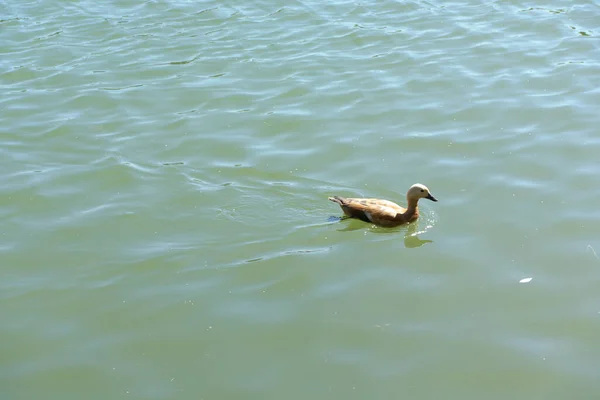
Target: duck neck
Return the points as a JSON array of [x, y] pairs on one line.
[[412, 208]]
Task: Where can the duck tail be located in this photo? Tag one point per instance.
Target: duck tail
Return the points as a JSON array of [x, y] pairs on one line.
[[337, 199]]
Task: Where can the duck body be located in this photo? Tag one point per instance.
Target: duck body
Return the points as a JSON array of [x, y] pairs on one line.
[[384, 213]]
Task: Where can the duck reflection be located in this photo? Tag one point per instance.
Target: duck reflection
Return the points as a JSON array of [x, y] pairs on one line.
[[411, 232]]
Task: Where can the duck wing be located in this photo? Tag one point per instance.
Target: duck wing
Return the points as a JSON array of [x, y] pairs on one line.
[[370, 210]]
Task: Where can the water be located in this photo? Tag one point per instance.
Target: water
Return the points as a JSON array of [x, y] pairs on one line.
[[165, 225]]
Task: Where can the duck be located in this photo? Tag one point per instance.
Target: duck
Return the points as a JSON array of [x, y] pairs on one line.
[[385, 213]]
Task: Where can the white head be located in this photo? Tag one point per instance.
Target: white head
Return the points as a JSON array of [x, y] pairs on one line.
[[418, 191]]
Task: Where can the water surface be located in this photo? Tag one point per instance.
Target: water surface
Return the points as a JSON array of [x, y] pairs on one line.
[[165, 225]]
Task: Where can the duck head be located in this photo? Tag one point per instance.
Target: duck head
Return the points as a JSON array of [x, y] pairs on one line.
[[419, 191]]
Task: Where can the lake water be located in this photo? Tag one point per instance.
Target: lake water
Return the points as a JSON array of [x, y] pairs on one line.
[[166, 232]]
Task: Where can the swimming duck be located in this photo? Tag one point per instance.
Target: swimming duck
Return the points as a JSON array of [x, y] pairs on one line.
[[384, 212]]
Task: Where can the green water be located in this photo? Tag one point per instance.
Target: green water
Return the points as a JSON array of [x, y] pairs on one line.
[[166, 232]]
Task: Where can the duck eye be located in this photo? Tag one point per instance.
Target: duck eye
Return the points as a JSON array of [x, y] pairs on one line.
[[422, 190]]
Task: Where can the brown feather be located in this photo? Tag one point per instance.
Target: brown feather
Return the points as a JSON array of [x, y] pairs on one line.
[[383, 212]]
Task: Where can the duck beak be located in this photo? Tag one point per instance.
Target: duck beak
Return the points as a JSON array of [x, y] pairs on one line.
[[430, 197]]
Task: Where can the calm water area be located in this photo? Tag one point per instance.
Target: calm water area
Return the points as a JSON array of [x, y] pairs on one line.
[[165, 230]]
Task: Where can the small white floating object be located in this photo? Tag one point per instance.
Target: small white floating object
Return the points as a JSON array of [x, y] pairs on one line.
[[525, 280]]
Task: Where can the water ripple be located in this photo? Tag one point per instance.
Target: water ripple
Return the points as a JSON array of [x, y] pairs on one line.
[[166, 170]]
